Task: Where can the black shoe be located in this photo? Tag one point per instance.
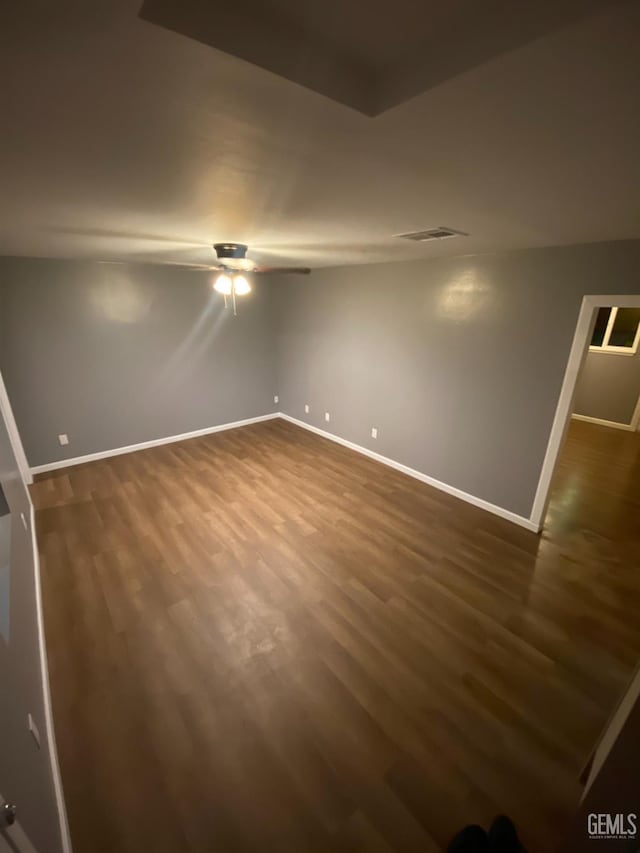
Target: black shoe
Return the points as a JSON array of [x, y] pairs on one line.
[[472, 839], [503, 837]]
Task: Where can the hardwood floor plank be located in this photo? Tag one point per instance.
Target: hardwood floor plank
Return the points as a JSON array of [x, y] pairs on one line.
[[261, 640]]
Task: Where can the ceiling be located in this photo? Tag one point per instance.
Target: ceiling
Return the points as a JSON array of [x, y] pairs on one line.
[[123, 139], [368, 54]]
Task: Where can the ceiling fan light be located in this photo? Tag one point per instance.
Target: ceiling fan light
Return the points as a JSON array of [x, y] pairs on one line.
[[241, 285], [223, 284]]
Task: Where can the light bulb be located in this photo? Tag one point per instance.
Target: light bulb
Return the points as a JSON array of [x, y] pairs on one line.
[[223, 284], [241, 285]]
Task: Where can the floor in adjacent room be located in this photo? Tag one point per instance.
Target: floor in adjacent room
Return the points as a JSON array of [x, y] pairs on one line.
[[262, 641]]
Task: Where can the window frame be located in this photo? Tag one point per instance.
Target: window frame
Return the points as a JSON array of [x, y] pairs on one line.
[[606, 347]]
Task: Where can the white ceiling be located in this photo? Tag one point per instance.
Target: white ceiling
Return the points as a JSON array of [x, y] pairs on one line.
[[122, 140]]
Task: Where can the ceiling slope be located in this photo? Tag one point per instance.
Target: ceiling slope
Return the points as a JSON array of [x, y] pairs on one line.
[[124, 140]]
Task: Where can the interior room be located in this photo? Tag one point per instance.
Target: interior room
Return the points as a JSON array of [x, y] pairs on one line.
[[319, 427], [608, 390]]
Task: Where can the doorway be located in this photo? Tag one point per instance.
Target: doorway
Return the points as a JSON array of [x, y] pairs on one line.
[[590, 315], [587, 503], [608, 387]]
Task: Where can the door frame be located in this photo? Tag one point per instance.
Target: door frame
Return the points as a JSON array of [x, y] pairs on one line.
[[14, 435], [635, 418], [562, 417], [28, 520]]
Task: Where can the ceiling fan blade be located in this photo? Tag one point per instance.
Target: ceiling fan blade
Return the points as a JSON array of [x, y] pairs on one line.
[[238, 264], [174, 264], [193, 267], [294, 270]]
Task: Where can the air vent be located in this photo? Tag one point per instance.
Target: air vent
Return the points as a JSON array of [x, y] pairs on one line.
[[440, 233]]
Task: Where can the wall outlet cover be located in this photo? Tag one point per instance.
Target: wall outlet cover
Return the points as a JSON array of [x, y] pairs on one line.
[[374, 432], [327, 416], [276, 399], [306, 408], [63, 438]]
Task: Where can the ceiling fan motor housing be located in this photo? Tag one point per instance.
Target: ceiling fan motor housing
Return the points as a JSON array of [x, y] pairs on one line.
[[230, 250]]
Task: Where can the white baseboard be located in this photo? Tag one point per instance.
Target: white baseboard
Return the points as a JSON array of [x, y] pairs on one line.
[[418, 475], [411, 472], [65, 835], [143, 445], [600, 422]]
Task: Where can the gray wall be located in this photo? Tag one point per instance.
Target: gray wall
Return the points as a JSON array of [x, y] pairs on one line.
[[458, 362], [608, 387], [113, 355]]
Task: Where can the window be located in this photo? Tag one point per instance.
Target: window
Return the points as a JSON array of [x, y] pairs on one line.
[[616, 330]]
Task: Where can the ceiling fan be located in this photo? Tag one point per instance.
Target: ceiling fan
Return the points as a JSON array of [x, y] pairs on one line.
[[232, 263]]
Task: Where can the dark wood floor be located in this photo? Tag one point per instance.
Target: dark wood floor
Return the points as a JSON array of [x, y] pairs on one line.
[[262, 641]]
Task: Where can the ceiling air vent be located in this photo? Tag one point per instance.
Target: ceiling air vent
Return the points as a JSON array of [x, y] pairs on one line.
[[440, 233]]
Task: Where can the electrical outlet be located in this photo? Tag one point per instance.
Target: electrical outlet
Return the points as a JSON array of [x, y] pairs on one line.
[[276, 399], [306, 408], [327, 416], [63, 438], [374, 432], [34, 730]]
